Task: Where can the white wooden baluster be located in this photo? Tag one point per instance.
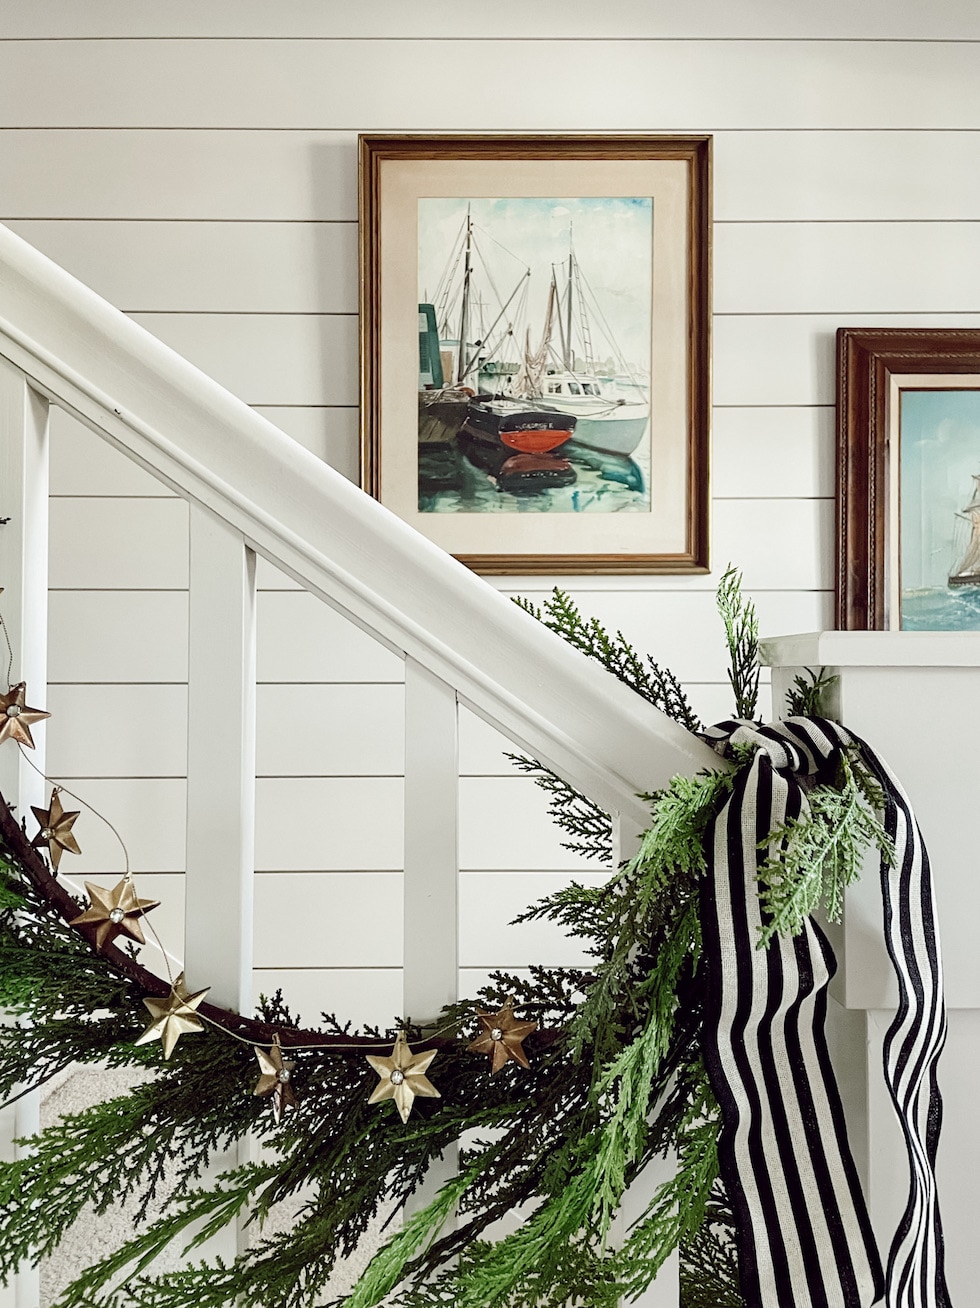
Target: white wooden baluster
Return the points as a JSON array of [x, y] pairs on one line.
[[24, 603], [665, 1291], [220, 776], [431, 975]]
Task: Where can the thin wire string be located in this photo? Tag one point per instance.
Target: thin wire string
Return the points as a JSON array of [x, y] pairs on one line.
[[10, 649], [53, 781], [332, 1048], [162, 948]]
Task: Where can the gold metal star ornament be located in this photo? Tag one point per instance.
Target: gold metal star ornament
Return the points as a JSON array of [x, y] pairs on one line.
[[16, 718], [502, 1037], [173, 1016], [276, 1078], [403, 1077], [55, 833], [115, 912]]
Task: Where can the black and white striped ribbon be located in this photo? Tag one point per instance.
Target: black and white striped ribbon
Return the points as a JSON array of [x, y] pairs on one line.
[[805, 1239]]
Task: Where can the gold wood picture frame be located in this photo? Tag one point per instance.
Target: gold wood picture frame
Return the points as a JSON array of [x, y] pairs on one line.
[[535, 319]]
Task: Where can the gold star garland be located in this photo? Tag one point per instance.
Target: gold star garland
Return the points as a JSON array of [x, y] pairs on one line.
[[173, 1016], [403, 1077], [115, 912], [502, 1037], [275, 1079], [55, 834], [16, 717]]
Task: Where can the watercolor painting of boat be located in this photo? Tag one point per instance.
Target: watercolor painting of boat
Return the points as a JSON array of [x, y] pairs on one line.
[[495, 273]]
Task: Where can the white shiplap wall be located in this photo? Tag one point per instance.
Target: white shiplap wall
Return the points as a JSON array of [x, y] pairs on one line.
[[196, 163]]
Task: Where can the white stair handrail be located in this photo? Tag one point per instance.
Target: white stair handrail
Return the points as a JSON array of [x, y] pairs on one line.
[[331, 538]]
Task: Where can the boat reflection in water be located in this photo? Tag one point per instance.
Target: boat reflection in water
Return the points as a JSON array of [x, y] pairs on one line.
[[510, 458], [516, 446]]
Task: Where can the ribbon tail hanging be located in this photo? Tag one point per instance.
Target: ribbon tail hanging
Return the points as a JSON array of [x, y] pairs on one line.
[[805, 1237]]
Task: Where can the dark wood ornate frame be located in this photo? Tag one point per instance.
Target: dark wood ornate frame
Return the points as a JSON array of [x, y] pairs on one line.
[[867, 359]]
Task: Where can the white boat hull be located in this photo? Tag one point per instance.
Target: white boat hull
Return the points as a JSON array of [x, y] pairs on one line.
[[612, 428]]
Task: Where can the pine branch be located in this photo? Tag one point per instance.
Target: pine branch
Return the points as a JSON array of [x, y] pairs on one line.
[[214, 1208], [658, 685], [678, 1210], [709, 1262], [388, 1265], [742, 636], [807, 697], [589, 825], [815, 856]]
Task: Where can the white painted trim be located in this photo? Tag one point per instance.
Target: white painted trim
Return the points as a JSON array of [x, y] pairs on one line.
[[24, 576], [626, 835], [334, 540], [220, 764], [24, 568], [878, 649], [431, 882], [430, 919]]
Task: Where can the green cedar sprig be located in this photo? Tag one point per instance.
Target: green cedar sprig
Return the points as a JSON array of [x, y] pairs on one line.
[[658, 685], [813, 857], [742, 637], [808, 696], [589, 826], [709, 1261]]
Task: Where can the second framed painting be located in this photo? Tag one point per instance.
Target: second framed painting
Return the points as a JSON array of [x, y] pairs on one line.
[[908, 479], [535, 347]]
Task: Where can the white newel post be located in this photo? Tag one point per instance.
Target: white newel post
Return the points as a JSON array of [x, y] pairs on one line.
[[665, 1290], [431, 966], [915, 698], [220, 776], [24, 603]]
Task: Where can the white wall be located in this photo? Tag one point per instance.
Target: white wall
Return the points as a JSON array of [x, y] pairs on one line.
[[196, 163]]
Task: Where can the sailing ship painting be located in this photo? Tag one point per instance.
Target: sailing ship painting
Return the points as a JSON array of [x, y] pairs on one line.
[[940, 510], [534, 355], [967, 571]]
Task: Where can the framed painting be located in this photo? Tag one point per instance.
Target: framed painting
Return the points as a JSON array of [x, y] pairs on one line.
[[908, 479], [535, 347]]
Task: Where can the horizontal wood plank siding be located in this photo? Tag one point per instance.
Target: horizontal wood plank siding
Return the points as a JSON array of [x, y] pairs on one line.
[[196, 163], [568, 86], [172, 174], [442, 19]]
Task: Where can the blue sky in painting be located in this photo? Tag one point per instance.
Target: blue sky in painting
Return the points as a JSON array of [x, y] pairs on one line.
[[940, 453], [613, 242]]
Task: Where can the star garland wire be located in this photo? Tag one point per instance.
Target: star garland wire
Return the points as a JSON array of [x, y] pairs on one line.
[[120, 911]]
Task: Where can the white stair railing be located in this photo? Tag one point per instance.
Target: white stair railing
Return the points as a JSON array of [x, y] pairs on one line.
[[24, 577], [255, 492]]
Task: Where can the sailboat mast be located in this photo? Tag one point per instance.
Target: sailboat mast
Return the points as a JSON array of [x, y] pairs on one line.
[[464, 317], [569, 353]]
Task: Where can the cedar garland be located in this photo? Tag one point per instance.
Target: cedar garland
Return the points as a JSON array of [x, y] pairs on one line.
[[615, 1079]]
